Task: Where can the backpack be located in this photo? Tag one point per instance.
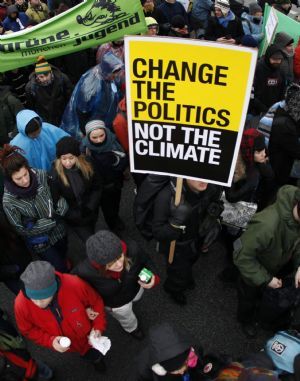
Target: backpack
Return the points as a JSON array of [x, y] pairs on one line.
[[248, 23], [282, 348], [144, 202]]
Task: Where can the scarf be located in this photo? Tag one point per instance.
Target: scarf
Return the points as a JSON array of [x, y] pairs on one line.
[[109, 144], [223, 21], [18, 21], [21, 192], [76, 182], [111, 274]]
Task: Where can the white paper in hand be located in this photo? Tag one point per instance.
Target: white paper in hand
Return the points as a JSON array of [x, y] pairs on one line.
[[102, 343]]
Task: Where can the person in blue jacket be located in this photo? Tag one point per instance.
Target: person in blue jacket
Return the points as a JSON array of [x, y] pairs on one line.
[[15, 20], [96, 96], [253, 22], [37, 139]]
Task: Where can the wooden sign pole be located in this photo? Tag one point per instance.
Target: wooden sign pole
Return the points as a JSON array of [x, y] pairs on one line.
[[179, 183]]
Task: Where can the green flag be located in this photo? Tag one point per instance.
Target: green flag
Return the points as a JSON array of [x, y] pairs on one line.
[[88, 24], [285, 24]]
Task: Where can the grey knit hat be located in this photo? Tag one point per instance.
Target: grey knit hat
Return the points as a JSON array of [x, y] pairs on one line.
[[93, 125], [103, 247], [39, 280], [253, 8]]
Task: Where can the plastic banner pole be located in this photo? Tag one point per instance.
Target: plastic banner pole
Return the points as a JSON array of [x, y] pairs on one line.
[[179, 183]]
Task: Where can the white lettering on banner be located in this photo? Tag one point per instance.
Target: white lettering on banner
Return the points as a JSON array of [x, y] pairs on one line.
[[199, 145]]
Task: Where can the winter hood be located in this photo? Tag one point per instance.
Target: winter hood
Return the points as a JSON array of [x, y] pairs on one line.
[[271, 50], [167, 342], [40, 151], [12, 9], [109, 64], [282, 39], [23, 117], [287, 198]]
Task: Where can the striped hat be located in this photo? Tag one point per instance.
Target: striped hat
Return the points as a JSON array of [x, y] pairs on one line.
[[42, 66], [93, 125]]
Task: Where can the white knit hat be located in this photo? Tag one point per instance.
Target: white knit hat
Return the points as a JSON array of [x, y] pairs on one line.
[[223, 5], [93, 125]]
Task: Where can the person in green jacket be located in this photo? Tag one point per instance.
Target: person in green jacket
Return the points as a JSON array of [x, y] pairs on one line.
[[271, 241], [37, 11], [9, 108]]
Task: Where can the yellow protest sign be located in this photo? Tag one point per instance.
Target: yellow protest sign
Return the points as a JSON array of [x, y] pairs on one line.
[[187, 102]]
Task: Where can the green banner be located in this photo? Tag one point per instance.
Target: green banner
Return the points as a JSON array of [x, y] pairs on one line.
[[88, 24], [285, 24]]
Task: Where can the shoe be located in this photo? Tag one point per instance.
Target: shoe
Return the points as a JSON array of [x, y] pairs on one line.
[[249, 329], [100, 365], [137, 334]]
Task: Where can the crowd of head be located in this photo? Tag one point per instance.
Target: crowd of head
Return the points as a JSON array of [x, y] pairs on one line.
[[65, 156]]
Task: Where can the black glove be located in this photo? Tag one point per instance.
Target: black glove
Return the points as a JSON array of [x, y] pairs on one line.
[[211, 236], [58, 218], [215, 208], [213, 211], [179, 214]]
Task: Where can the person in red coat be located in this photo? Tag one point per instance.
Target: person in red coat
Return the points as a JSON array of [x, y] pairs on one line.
[[120, 125], [297, 62], [55, 305]]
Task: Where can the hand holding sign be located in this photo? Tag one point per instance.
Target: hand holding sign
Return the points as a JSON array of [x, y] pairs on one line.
[[179, 213]]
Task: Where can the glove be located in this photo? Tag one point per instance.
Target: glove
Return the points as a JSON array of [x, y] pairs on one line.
[[211, 236], [180, 213], [213, 211], [57, 218]]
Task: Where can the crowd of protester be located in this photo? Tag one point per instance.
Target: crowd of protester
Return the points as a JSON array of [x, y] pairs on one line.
[[64, 157]]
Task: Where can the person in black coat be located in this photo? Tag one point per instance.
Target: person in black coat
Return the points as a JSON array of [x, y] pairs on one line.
[[113, 269], [73, 178], [193, 224], [14, 257], [225, 26], [269, 82], [170, 355], [110, 161], [48, 91], [253, 181], [284, 145]]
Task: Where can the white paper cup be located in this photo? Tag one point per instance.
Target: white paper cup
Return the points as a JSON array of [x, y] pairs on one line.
[[65, 342]]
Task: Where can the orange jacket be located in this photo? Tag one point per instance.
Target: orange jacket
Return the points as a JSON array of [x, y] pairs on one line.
[[120, 125]]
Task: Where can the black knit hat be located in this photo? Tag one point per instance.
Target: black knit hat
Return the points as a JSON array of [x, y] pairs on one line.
[[67, 145], [176, 362], [32, 126], [103, 247]]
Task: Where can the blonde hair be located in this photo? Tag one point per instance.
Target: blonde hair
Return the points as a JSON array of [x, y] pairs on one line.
[[240, 169], [81, 163]]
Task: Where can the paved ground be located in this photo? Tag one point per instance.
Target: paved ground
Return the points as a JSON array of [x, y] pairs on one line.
[[210, 315]]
